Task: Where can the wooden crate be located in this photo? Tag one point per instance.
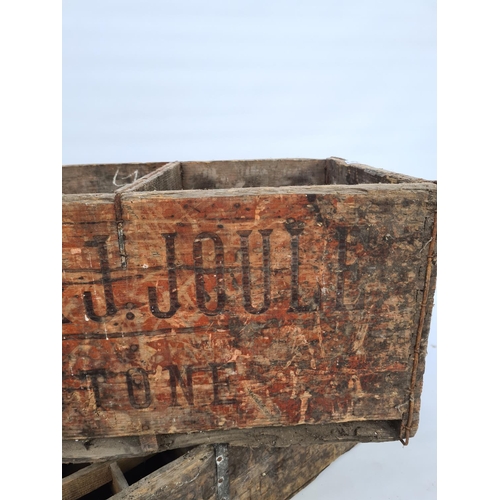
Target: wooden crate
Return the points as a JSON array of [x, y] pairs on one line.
[[252, 302]]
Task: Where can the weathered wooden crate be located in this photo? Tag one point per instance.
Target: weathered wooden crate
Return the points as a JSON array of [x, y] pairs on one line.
[[263, 302]]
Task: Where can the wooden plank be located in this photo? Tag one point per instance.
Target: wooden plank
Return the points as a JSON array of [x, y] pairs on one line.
[[278, 474], [119, 483], [340, 171], [192, 476], [149, 443], [94, 450], [252, 173], [85, 481], [103, 178], [274, 474]]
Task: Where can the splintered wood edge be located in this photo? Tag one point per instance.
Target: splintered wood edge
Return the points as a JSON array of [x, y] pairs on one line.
[[104, 449]]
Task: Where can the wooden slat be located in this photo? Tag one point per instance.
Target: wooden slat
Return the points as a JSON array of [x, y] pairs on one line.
[[103, 178], [273, 474], [119, 482], [341, 172], [149, 443], [278, 474], [85, 480], [277, 437], [253, 173], [191, 476]]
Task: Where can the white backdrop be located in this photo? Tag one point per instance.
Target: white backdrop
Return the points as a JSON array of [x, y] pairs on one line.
[[164, 80]]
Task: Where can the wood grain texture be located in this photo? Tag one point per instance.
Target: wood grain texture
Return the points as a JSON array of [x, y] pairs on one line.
[[274, 474], [85, 481], [340, 171], [253, 173], [190, 477], [278, 474], [104, 178], [105, 449], [243, 308], [118, 481]]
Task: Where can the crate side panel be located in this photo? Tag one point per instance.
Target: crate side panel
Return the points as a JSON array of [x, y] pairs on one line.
[[104, 178], [253, 173], [341, 172], [245, 311]]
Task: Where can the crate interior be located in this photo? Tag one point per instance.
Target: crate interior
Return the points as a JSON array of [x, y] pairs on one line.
[[203, 175]]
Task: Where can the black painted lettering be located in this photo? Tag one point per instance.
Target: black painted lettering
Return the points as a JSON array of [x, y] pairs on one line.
[[100, 243], [185, 385], [266, 271], [295, 230], [95, 377], [219, 384], [172, 282], [201, 293], [139, 392]]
